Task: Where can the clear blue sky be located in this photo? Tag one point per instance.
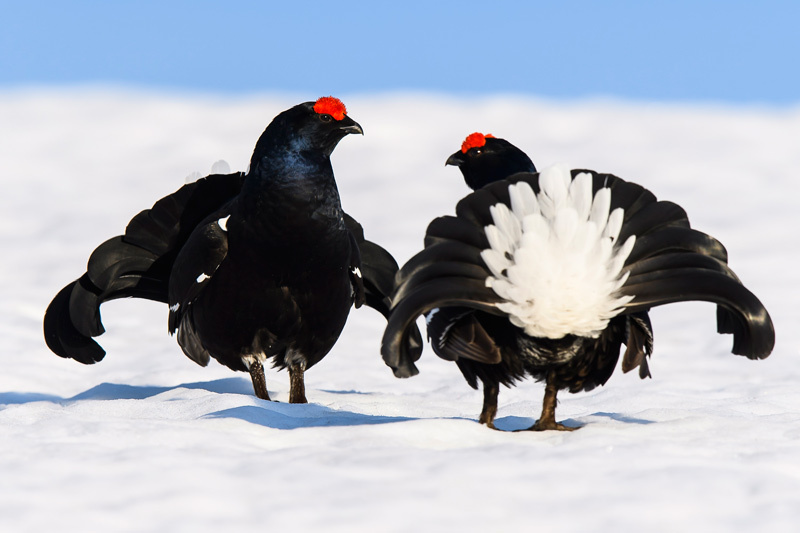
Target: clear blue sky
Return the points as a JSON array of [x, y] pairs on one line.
[[722, 51]]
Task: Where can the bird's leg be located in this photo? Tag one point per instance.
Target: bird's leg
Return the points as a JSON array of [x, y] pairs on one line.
[[548, 418], [297, 385], [490, 392], [259, 381]]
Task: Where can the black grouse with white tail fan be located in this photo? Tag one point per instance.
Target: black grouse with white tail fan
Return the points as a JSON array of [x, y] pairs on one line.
[[256, 266], [484, 159], [557, 270]]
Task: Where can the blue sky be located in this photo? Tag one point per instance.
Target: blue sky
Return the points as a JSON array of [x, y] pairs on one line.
[[722, 51]]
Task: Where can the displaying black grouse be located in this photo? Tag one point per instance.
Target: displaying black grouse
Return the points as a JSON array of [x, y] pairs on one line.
[[548, 274], [253, 266], [484, 159]]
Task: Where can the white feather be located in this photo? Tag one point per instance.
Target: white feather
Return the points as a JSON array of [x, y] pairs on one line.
[[506, 222], [523, 200], [601, 203], [581, 194], [496, 261], [614, 224], [499, 240], [223, 223], [554, 257]]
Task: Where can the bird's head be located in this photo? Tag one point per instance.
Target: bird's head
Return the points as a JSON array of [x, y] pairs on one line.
[[484, 159], [311, 127]]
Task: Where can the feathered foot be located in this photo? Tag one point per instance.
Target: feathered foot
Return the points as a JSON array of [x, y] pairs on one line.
[[490, 392], [297, 385], [547, 420], [259, 381]]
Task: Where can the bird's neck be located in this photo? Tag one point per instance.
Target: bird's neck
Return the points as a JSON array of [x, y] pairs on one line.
[[291, 190]]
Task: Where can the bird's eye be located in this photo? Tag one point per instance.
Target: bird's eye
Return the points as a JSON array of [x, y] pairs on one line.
[[324, 117], [478, 151]]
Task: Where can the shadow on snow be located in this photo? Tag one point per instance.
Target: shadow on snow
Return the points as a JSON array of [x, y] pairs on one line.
[[518, 423], [114, 391], [276, 415], [288, 416]]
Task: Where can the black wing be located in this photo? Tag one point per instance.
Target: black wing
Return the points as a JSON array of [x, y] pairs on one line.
[[194, 268]]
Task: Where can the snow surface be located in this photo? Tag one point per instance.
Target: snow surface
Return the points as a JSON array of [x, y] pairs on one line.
[[149, 441]]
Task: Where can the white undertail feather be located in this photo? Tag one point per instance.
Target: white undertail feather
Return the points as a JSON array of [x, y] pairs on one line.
[[223, 223], [555, 258]]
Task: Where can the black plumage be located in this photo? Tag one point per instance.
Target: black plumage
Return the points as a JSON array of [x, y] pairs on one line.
[[253, 266], [669, 262]]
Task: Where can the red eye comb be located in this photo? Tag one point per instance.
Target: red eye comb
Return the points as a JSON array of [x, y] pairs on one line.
[[475, 140], [328, 105]]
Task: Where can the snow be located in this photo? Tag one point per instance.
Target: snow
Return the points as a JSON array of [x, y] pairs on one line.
[[147, 440]]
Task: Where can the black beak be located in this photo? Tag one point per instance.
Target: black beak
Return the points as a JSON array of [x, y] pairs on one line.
[[457, 159], [348, 125]]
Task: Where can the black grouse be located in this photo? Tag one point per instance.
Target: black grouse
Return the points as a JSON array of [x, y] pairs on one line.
[[484, 159], [548, 274], [253, 266]]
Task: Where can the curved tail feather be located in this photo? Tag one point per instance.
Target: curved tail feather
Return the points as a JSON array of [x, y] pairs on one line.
[[746, 316], [674, 265], [656, 216], [676, 239], [61, 335], [163, 228], [115, 270], [424, 296], [136, 264], [660, 265], [449, 228]]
